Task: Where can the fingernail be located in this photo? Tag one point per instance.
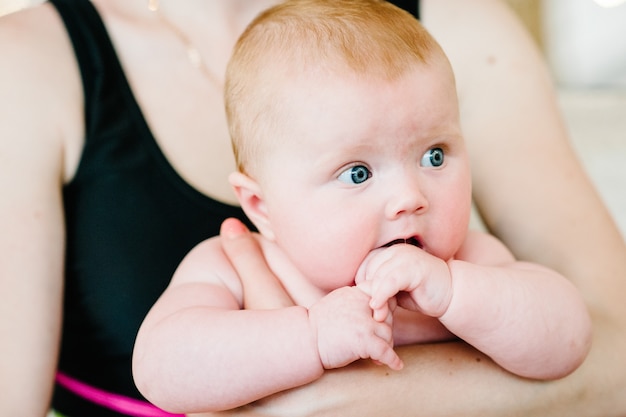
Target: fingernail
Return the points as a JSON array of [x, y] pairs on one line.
[[232, 228]]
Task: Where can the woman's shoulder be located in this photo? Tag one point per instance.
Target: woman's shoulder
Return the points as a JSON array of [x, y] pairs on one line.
[[33, 37], [39, 79]]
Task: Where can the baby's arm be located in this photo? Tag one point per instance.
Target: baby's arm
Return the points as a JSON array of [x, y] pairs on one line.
[[528, 318], [230, 356]]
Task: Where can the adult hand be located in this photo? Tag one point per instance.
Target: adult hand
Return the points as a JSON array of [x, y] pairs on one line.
[[261, 289]]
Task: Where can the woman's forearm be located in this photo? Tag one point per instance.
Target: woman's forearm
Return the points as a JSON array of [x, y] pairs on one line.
[[453, 379]]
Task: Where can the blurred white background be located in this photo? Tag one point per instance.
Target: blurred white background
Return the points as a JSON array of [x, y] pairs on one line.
[[584, 42], [585, 46], [8, 6]]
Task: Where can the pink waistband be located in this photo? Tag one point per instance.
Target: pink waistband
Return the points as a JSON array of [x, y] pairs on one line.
[[115, 402]]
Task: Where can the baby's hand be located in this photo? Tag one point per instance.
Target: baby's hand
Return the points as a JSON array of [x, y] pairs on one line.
[[346, 330], [419, 281]]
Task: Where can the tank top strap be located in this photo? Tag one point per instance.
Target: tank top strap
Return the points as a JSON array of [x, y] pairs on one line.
[[96, 57]]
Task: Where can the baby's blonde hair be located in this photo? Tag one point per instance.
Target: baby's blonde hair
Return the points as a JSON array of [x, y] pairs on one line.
[[370, 38]]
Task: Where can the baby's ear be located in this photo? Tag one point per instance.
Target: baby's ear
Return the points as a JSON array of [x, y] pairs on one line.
[[250, 196]]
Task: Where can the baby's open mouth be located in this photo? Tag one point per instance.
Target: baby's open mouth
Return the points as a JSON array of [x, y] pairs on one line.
[[409, 241]]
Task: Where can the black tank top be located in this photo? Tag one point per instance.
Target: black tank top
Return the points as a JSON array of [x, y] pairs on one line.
[[130, 219]]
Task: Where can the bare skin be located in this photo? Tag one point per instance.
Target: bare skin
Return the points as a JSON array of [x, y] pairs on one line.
[[550, 191], [530, 189]]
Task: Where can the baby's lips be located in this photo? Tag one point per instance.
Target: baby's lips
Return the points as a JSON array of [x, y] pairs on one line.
[[413, 240]]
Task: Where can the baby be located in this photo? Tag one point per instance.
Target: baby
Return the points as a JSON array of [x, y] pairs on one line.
[[352, 166]]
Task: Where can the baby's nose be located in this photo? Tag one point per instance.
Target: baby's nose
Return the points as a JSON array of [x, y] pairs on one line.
[[406, 198]]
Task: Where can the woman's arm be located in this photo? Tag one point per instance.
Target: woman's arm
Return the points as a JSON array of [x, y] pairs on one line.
[[38, 96], [531, 189]]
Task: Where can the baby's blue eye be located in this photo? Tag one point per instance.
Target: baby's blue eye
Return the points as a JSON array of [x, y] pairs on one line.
[[433, 158], [355, 175]]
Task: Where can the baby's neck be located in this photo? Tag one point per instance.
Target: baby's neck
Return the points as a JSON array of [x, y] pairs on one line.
[[298, 286]]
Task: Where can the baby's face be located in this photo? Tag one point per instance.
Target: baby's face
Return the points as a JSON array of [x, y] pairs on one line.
[[361, 164]]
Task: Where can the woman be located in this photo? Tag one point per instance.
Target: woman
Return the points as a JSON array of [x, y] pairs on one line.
[[98, 204]]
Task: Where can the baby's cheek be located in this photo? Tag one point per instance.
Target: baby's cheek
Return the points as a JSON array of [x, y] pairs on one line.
[[334, 250], [333, 269], [455, 242], [342, 276]]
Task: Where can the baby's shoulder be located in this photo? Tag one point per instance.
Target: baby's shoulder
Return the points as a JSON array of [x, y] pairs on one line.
[[208, 263], [483, 249]]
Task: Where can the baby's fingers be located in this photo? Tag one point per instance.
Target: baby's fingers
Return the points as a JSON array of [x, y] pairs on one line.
[[385, 313], [383, 290], [381, 348], [381, 314], [384, 354], [379, 300]]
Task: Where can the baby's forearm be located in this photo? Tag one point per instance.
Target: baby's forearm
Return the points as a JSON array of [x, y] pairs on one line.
[[527, 318], [224, 364]]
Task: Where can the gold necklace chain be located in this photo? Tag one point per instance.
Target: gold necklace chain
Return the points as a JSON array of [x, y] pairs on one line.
[[193, 54]]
